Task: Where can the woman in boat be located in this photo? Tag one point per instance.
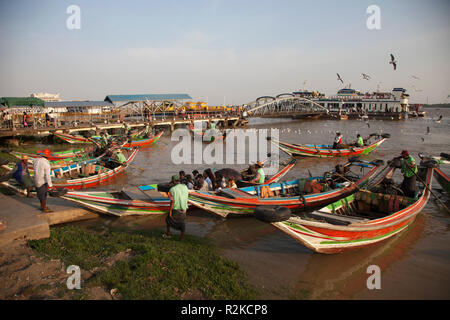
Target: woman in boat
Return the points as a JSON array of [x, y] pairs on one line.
[[221, 182], [209, 178], [232, 183], [201, 184], [189, 182], [337, 140], [260, 176]]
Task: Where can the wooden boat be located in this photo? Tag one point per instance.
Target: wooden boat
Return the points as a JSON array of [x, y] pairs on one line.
[[54, 164], [443, 179], [52, 156], [298, 194], [356, 221], [128, 201], [275, 178], [141, 142], [84, 175], [205, 138], [322, 151]]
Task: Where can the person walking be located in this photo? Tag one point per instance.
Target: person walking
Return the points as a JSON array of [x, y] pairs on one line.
[[178, 206], [42, 180]]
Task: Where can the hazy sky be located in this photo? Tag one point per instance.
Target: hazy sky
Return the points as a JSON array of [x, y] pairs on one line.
[[222, 50]]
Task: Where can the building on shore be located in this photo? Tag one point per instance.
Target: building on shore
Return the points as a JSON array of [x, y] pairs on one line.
[[47, 97]]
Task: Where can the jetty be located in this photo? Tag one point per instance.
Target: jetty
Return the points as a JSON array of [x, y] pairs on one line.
[[24, 220]]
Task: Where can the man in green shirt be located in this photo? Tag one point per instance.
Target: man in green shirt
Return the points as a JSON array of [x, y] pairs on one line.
[[178, 206], [260, 175], [359, 141], [409, 171]]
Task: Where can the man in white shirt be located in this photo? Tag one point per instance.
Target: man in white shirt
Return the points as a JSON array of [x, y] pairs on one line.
[[42, 181]]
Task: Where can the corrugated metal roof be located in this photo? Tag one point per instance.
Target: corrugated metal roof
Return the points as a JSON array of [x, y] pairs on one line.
[[150, 97], [55, 104]]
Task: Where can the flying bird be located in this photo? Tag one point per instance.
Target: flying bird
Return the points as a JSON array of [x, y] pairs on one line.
[[339, 78], [365, 76], [417, 78], [393, 62]]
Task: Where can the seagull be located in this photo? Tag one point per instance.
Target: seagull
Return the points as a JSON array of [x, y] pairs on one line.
[[417, 78], [339, 78], [365, 76], [423, 140], [393, 62]]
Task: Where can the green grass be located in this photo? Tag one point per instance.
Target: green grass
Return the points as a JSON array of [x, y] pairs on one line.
[[157, 268]]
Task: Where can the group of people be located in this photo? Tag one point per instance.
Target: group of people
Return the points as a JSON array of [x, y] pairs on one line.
[[206, 181], [338, 142]]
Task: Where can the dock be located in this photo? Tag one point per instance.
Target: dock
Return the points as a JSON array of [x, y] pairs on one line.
[[24, 220]]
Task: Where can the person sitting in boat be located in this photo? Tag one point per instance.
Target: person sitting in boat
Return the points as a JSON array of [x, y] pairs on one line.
[[409, 171], [182, 176], [221, 182], [337, 140], [359, 141], [103, 140], [22, 175], [209, 178], [189, 182], [232, 183], [117, 159], [260, 176], [201, 184]]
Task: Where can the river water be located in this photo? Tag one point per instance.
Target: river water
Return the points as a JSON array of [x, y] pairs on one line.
[[414, 264]]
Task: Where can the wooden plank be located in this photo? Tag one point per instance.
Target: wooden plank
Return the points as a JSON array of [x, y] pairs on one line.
[[334, 217], [134, 193], [236, 193]]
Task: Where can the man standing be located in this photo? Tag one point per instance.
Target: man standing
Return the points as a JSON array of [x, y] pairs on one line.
[[409, 171], [178, 206], [42, 180]]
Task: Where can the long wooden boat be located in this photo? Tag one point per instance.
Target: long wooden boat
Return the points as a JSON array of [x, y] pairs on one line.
[[275, 178], [205, 138], [128, 201], [54, 164], [84, 175], [297, 194], [443, 179], [142, 200], [141, 142], [357, 221], [324, 151], [52, 156]]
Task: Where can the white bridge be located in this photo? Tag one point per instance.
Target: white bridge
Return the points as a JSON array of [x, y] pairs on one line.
[[285, 104]]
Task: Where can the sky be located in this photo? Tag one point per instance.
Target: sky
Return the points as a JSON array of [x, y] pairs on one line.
[[223, 51]]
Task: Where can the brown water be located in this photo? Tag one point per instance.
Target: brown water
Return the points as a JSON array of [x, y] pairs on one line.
[[414, 264]]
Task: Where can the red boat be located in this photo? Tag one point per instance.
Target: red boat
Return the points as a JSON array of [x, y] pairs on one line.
[[359, 220]]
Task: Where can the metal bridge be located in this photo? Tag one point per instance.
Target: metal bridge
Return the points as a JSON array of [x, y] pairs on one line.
[[284, 105]]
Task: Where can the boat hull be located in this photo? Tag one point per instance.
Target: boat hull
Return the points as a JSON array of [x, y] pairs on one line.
[[329, 238], [443, 179], [321, 152]]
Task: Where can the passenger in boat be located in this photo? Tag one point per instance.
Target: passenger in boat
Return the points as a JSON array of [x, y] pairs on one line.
[[201, 184], [178, 206], [209, 178], [337, 140], [182, 176], [409, 171], [42, 180], [221, 182], [260, 176], [231, 183], [359, 141], [189, 182], [22, 175], [103, 140]]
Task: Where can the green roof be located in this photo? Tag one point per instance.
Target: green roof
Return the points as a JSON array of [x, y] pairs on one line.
[[18, 101]]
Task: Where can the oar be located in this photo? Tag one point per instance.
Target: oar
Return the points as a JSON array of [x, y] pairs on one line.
[[437, 198], [128, 165]]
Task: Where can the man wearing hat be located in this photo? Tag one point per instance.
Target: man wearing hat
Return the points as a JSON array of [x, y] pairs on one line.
[[409, 171], [260, 175], [22, 175], [178, 206], [337, 140], [42, 180]]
